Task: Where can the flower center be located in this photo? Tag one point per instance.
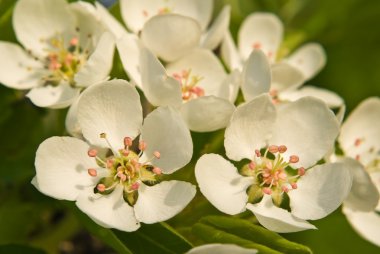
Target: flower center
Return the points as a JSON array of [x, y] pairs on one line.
[[189, 84], [125, 168], [272, 174], [64, 61], [367, 155]]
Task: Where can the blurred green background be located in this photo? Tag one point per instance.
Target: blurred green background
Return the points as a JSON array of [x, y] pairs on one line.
[[348, 30]]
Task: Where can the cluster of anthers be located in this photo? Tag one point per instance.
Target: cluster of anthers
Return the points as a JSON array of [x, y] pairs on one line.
[[258, 45], [189, 84], [272, 174], [64, 60], [125, 168], [163, 10]]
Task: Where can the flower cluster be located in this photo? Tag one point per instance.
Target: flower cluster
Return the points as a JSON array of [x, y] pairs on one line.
[[292, 159]]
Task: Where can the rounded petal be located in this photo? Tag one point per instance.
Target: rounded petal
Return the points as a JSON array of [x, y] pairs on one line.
[[163, 201], [366, 116], [18, 70], [285, 77], [207, 113], [220, 249], [165, 131], [308, 129], [233, 82], [250, 127], [214, 35], [99, 64], [112, 107], [202, 63], [364, 195], [136, 12], [40, 20], [129, 48], [110, 211], [366, 224], [277, 219], [332, 99], [220, 182], [321, 190], [309, 59], [71, 121], [256, 76], [161, 35], [61, 167], [260, 30], [60, 96], [229, 52], [158, 87]]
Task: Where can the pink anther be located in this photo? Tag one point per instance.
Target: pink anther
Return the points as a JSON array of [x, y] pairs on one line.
[[256, 45], [294, 186], [142, 145], [294, 159], [157, 154], [257, 152], [74, 41], [92, 172], [101, 187], [135, 186], [92, 152], [252, 165], [157, 171], [282, 149], [128, 141], [301, 171], [273, 149], [267, 191]]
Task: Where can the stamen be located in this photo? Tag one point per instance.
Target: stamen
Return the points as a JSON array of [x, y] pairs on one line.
[[92, 152], [135, 186], [257, 152], [142, 145], [109, 163], [301, 171], [294, 186], [157, 171], [358, 141], [294, 159], [128, 141], [273, 149], [92, 172], [156, 154], [256, 45], [74, 41], [282, 149], [285, 189], [267, 191], [252, 165], [101, 187]]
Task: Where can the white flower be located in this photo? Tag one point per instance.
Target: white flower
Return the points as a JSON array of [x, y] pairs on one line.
[[282, 145], [65, 50], [196, 84], [172, 28], [112, 183], [360, 139], [259, 39], [219, 248]]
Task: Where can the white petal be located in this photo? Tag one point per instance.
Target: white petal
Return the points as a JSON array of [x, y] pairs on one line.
[[219, 248], [229, 52], [321, 190], [364, 195], [332, 99], [205, 65], [38, 20], [161, 35], [285, 77], [99, 64], [112, 107], [309, 59], [163, 201], [129, 48], [366, 116], [375, 177], [87, 22], [250, 127], [18, 70], [341, 112], [308, 129], [367, 224], [165, 131], [207, 113], [233, 82], [71, 121], [277, 219], [214, 35], [263, 30], [60, 96], [136, 12], [158, 87], [109, 21], [61, 167], [256, 76], [110, 211], [220, 182]]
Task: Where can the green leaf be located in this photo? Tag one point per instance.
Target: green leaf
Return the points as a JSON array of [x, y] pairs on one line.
[[157, 238], [19, 249], [255, 233], [211, 234]]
